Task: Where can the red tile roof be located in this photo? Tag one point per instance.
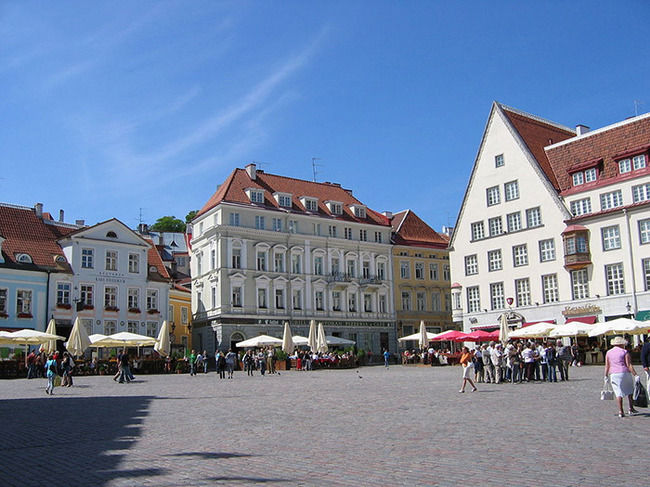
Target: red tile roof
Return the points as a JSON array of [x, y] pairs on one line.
[[233, 190], [609, 144], [537, 134], [26, 233], [154, 259], [409, 229]]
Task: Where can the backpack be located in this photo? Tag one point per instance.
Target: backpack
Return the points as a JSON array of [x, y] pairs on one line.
[[52, 367]]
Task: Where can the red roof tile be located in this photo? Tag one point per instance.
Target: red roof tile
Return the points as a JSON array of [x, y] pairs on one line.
[[154, 258], [233, 190], [411, 230], [26, 233]]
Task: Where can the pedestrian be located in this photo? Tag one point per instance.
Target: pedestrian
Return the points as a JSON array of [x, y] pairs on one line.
[[125, 373], [220, 362], [386, 358], [270, 360], [192, 361], [205, 361], [564, 358], [230, 362], [645, 362], [620, 372], [515, 363], [487, 363], [50, 372], [67, 364], [497, 362], [468, 369], [30, 362], [478, 364], [551, 361], [249, 363]]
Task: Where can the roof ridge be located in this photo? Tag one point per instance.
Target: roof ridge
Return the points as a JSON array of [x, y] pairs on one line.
[[399, 227], [336, 185], [536, 118], [16, 207]]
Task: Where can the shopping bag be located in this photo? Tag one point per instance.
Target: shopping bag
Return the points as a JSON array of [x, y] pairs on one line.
[[640, 395], [607, 394], [57, 381]]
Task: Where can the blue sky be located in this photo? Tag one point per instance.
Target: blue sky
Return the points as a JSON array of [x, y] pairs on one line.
[[110, 107]]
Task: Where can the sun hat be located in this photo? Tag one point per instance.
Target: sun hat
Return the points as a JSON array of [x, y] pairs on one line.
[[618, 341]]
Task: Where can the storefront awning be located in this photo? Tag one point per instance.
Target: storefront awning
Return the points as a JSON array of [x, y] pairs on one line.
[[587, 320], [484, 327], [643, 315]]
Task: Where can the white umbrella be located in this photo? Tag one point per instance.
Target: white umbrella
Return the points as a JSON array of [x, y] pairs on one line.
[[163, 345], [126, 339], [423, 339], [540, 329], [335, 341], [287, 341], [78, 341], [321, 341], [503, 328], [96, 338], [300, 340], [33, 337], [573, 329], [259, 341], [5, 337], [620, 326], [50, 346], [311, 341], [416, 337]]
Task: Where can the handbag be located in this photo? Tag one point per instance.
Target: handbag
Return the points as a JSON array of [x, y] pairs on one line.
[[640, 395], [607, 394]]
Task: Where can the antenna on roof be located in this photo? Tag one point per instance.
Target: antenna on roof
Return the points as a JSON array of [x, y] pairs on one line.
[[260, 164], [636, 107], [314, 166]]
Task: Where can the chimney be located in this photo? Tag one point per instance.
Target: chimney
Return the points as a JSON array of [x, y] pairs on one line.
[[581, 129], [38, 209], [388, 214], [161, 239], [80, 223], [61, 215], [143, 228], [251, 169]]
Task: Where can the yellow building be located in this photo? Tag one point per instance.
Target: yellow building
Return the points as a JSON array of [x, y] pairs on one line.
[[421, 275], [180, 315]]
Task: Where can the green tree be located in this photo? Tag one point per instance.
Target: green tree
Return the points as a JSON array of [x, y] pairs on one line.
[[168, 224], [190, 216]]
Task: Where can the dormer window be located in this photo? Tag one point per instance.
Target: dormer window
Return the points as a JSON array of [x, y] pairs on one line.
[[359, 211], [585, 176], [310, 204], [255, 195], [335, 207], [283, 199], [635, 163], [24, 258]]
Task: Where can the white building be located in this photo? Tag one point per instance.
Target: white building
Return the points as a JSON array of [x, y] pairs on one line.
[[119, 282], [554, 223], [268, 249]]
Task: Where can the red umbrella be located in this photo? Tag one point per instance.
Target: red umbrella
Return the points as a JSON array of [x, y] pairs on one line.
[[480, 336], [450, 335]]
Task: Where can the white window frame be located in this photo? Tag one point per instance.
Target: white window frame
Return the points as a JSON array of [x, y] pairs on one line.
[[499, 160], [513, 221], [613, 199], [111, 260], [520, 255], [497, 296], [641, 192], [644, 231], [152, 299], [478, 231], [88, 258], [547, 250], [522, 290], [495, 260], [511, 190], [611, 237], [493, 195], [615, 279], [134, 263], [495, 226], [473, 299], [550, 289], [581, 207], [580, 284], [533, 217]]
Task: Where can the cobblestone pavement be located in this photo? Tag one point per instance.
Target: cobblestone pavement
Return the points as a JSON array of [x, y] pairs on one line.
[[402, 426]]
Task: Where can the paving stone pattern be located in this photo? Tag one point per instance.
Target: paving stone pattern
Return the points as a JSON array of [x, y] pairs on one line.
[[402, 426]]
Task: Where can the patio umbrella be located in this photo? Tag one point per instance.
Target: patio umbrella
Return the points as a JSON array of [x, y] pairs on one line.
[[259, 341], [33, 337], [540, 329], [311, 341], [5, 337], [620, 326], [416, 337], [300, 340], [321, 342], [78, 341], [423, 339], [336, 341], [479, 336], [503, 328], [572, 329], [126, 339], [163, 345], [50, 346], [287, 341], [449, 335]]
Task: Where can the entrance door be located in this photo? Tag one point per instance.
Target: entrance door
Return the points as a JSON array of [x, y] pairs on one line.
[[383, 341]]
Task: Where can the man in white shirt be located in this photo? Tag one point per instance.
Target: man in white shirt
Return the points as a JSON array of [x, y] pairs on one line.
[[497, 361]]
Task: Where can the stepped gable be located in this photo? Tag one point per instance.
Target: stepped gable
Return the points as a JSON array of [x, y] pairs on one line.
[[609, 144], [27, 233], [538, 133], [409, 229], [233, 190]]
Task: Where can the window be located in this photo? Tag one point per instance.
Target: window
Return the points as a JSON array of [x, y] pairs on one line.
[[3, 302], [236, 297], [420, 301], [352, 302], [296, 263], [110, 327], [24, 302], [234, 219], [236, 258], [478, 232], [318, 265], [435, 301], [132, 326], [184, 315], [365, 269], [363, 235], [284, 200], [293, 226], [615, 282], [257, 196], [520, 255], [348, 233], [134, 263], [311, 205], [578, 178], [624, 166], [152, 329], [641, 193], [513, 221], [580, 284], [213, 258], [152, 299], [297, 299], [576, 244], [367, 303], [316, 228], [471, 265], [279, 298], [336, 208], [351, 268], [433, 272], [259, 222], [419, 270], [522, 287], [87, 294], [495, 262], [359, 212], [591, 175], [276, 224], [494, 226], [644, 231], [382, 303], [378, 237], [88, 325], [546, 250], [110, 297], [613, 199], [581, 207], [499, 160], [63, 293], [336, 301], [638, 162], [473, 300], [381, 271], [318, 300], [446, 272], [133, 299], [278, 262], [261, 260], [87, 258], [550, 288], [406, 301], [511, 190], [645, 263], [533, 217], [111, 260], [496, 295], [199, 263], [611, 237], [332, 231], [404, 270], [493, 196]]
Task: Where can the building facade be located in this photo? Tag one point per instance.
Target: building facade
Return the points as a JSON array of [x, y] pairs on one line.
[[553, 223], [180, 318], [268, 249], [421, 273]]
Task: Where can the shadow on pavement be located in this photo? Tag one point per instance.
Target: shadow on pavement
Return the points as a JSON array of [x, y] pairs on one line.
[[209, 455], [78, 441], [257, 480]]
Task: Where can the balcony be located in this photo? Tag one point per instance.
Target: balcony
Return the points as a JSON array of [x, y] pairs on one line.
[[339, 277]]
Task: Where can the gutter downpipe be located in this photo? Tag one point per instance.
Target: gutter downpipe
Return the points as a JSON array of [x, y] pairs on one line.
[[635, 307]]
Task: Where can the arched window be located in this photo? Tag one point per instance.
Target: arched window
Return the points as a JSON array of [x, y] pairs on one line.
[[111, 234]]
